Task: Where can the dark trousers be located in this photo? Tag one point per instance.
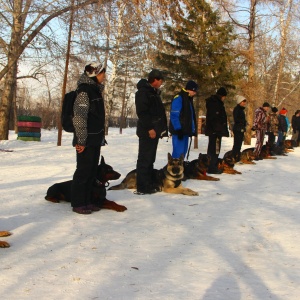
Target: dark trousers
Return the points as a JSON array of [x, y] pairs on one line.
[[271, 138], [84, 176], [238, 139], [213, 150], [145, 162]]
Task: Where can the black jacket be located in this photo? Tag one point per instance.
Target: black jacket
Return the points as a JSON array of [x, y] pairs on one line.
[[239, 119], [282, 125], [295, 123], [89, 113], [216, 117], [150, 111], [187, 116]]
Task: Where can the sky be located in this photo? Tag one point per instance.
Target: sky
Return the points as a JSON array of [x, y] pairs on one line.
[[237, 240]]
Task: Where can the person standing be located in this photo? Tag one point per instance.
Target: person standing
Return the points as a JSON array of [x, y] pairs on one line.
[[239, 126], [260, 124], [183, 119], [151, 125], [296, 128], [282, 128], [273, 128], [216, 127], [88, 121]]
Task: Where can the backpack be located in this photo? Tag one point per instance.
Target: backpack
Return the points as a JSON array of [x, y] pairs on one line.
[[67, 112]]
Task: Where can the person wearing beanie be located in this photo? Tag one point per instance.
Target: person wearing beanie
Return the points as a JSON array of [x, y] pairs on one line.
[[216, 127], [88, 122], [282, 128], [239, 126], [260, 125], [183, 119], [151, 125], [296, 128], [272, 129]]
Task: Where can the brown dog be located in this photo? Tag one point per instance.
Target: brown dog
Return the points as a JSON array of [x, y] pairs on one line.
[[197, 168], [169, 178], [2, 243], [227, 164], [62, 191]]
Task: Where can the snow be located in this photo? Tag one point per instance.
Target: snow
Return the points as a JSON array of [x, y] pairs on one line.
[[239, 239]]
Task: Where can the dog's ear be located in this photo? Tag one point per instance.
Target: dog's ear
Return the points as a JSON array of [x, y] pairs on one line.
[[169, 156], [102, 160], [181, 157]]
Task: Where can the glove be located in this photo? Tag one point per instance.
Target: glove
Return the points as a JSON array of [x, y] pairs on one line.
[[179, 133]]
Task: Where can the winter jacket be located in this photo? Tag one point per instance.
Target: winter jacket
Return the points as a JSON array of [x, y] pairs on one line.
[[150, 111], [273, 123], [216, 117], [239, 119], [89, 113], [282, 124], [182, 114], [260, 119]]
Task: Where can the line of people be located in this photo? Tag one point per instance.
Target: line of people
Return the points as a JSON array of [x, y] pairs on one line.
[[89, 135]]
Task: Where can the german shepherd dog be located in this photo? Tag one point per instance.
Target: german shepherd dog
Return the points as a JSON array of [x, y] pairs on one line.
[[62, 191], [169, 178], [227, 163], [197, 168], [2, 243], [247, 156]]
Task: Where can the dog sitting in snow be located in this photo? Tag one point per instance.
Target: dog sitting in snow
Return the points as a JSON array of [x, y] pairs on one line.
[[62, 191], [168, 179]]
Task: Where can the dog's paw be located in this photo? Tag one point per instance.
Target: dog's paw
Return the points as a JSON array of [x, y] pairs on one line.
[[4, 244], [5, 233], [113, 206], [190, 192]]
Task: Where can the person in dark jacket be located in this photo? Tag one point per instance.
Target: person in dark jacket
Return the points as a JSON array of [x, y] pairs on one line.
[[151, 125], [239, 126], [216, 127], [282, 127], [183, 119], [88, 121], [296, 128]]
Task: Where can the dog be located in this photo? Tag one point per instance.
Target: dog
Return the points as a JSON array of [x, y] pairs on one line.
[[227, 163], [62, 191], [197, 168], [168, 179], [2, 243]]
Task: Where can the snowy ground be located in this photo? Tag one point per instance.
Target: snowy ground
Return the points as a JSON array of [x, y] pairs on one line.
[[239, 239]]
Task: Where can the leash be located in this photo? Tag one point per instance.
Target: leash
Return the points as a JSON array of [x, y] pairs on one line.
[[188, 153]]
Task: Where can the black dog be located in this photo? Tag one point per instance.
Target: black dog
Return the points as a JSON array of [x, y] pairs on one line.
[[62, 191]]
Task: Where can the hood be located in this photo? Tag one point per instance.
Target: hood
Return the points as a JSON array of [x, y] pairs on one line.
[[144, 84], [87, 80]]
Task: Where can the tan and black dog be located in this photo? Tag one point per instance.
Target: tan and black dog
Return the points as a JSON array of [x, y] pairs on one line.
[[197, 168], [62, 191], [169, 178], [227, 164], [2, 243]]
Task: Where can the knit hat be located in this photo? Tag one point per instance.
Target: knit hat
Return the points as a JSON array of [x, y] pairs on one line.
[[192, 86], [93, 69], [239, 99], [266, 104], [222, 91], [274, 109], [283, 111], [156, 74]]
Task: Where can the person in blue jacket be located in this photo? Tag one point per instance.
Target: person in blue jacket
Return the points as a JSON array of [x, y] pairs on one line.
[[183, 119]]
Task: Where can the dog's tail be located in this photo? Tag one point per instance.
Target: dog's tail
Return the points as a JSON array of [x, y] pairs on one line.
[[121, 186], [129, 182]]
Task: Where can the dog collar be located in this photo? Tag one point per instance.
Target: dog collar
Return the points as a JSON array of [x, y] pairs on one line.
[[100, 183]]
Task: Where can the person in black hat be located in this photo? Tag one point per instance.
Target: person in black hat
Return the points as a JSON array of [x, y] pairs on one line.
[[216, 127], [260, 124], [151, 125], [183, 119]]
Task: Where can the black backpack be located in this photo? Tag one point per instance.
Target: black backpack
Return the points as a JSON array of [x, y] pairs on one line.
[[67, 112]]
